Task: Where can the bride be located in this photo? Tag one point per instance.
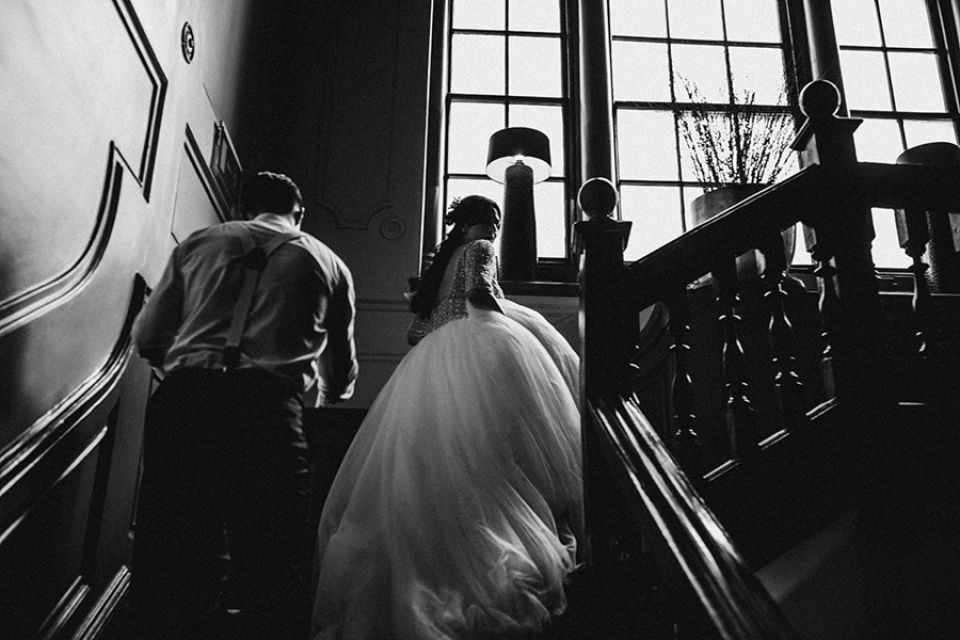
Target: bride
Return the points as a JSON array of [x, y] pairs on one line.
[[456, 511]]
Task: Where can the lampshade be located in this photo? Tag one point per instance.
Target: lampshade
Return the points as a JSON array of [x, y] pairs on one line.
[[509, 145]]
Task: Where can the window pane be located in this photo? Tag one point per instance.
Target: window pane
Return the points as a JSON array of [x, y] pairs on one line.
[[632, 18], [865, 80], [460, 187], [656, 217], [752, 20], [698, 19], [641, 72], [535, 15], [906, 23], [548, 120], [916, 82], [878, 141], [703, 67], [801, 255], [549, 204], [924, 131], [646, 143], [479, 14], [855, 22], [712, 144], [760, 71], [886, 247], [535, 67], [688, 147], [471, 125], [477, 65]]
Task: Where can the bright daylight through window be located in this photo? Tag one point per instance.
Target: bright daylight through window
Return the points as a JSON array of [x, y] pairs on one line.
[[675, 61]]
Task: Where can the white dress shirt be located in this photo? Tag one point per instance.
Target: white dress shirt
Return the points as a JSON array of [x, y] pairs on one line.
[[300, 324]]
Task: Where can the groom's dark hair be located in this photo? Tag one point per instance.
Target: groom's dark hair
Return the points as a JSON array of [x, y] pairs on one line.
[[269, 192]]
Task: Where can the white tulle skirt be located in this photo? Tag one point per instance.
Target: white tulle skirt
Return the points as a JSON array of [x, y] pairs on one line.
[[456, 510]]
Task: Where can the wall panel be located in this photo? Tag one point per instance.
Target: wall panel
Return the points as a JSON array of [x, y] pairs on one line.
[[83, 96]]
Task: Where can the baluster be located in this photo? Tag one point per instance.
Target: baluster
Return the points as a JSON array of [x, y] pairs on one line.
[[828, 303], [741, 420], [913, 234], [686, 442], [782, 339], [930, 235], [829, 306]]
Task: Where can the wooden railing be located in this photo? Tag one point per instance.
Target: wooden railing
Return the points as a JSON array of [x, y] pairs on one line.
[[832, 196], [696, 556]]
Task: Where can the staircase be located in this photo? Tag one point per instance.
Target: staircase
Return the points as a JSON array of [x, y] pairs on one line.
[[777, 458]]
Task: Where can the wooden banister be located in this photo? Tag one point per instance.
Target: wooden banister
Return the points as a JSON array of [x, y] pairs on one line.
[[691, 547], [832, 196], [737, 230]]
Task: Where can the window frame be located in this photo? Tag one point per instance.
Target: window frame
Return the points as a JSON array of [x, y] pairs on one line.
[[553, 269], [944, 41], [945, 26], [687, 184]]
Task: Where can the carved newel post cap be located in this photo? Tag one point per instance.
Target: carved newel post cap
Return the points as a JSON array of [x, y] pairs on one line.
[[820, 99], [597, 198]]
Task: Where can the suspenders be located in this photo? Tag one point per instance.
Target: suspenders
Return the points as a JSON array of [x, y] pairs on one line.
[[253, 262]]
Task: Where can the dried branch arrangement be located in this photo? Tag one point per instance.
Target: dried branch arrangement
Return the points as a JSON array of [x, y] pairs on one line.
[[739, 143]]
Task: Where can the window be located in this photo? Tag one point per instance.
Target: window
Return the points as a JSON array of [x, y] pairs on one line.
[[508, 64], [894, 74], [506, 69], [669, 56]]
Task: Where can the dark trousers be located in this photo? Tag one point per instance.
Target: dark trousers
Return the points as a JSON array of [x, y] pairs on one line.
[[224, 470]]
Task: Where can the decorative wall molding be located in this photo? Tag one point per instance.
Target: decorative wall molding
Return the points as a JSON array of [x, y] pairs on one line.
[[151, 65], [39, 299], [36, 301], [393, 228], [354, 184], [188, 43], [209, 178], [226, 170], [34, 452]]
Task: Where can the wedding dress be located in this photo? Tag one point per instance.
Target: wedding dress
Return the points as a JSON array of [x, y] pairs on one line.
[[456, 510]]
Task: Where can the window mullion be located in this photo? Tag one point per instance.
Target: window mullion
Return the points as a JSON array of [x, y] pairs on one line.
[[948, 47]]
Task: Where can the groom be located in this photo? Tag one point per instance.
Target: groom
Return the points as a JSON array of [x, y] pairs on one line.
[[248, 318]]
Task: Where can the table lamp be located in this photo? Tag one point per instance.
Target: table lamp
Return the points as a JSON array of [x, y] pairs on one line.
[[518, 157]]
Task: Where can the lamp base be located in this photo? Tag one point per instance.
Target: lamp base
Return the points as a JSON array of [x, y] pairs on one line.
[[518, 232]]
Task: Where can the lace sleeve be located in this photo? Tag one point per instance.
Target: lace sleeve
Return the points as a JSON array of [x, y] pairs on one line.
[[480, 268], [417, 330]]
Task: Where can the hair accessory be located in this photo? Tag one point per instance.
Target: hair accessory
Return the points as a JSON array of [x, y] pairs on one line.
[[448, 218]]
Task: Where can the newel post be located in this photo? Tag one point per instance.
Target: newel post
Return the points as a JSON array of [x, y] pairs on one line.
[[602, 357], [602, 240], [839, 233]]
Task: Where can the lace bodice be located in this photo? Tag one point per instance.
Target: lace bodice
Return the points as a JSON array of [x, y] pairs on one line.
[[475, 268]]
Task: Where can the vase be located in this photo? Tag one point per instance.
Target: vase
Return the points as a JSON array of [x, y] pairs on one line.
[[750, 265]]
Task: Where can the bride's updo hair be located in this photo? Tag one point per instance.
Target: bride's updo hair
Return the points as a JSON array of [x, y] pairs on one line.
[[462, 214]]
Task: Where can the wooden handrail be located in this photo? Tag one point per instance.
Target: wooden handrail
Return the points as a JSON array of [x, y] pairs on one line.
[[740, 228], [900, 186], [743, 226], [695, 552]]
